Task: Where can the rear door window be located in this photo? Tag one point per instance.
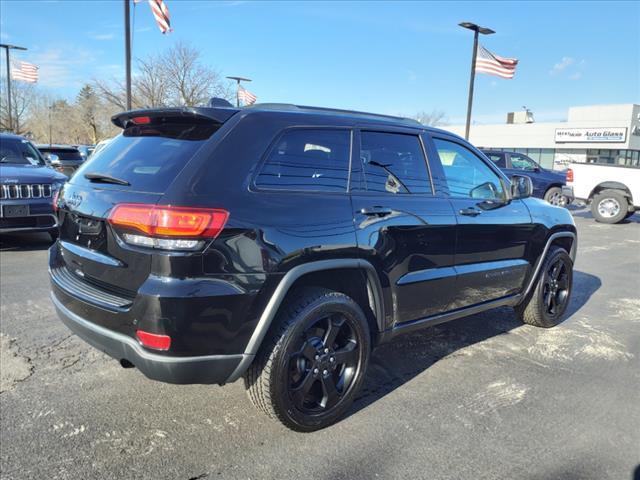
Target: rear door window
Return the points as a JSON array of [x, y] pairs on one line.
[[151, 156], [393, 163], [497, 158], [308, 159]]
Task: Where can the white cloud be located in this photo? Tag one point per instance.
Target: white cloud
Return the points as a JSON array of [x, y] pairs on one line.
[[562, 65], [568, 67], [63, 66], [101, 36]]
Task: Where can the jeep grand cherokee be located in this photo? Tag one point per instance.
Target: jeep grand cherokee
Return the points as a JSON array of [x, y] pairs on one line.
[[280, 244]]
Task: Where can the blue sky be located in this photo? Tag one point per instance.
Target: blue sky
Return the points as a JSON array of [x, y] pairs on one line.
[[387, 57]]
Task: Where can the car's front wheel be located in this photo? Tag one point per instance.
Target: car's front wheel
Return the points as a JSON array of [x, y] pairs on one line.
[[549, 300], [308, 372]]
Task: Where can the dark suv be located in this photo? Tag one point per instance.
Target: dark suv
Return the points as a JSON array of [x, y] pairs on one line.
[[281, 244], [547, 184], [64, 158]]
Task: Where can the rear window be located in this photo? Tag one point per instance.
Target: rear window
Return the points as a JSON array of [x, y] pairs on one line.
[[151, 156], [308, 159], [63, 154]]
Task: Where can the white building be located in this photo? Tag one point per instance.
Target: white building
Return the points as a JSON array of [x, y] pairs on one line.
[[597, 134]]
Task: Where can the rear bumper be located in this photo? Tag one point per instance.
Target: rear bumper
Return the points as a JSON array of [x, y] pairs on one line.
[[568, 193], [181, 370]]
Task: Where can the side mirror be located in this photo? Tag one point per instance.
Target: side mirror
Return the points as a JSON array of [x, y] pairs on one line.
[[53, 158], [521, 186]]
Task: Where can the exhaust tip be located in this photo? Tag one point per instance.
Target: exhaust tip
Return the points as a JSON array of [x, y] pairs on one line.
[[124, 363]]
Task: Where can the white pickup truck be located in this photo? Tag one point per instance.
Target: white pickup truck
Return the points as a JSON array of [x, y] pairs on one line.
[[612, 190]]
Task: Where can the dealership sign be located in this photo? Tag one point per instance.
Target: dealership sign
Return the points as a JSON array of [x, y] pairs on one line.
[[591, 135]]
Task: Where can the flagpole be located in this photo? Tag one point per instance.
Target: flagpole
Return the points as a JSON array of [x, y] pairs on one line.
[[6, 50], [476, 31], [127, 51], [238, 80]]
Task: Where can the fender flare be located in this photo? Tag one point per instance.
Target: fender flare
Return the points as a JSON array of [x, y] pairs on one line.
[[538, 265], [289, 279]]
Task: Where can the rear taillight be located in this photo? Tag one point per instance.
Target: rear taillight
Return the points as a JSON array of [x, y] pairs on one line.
[[167, 227], [569, 175], [153, 340]]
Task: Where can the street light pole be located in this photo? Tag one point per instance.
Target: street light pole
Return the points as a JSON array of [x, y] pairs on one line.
[[238, 80], [8, 58], [127, 51], [476, 31]]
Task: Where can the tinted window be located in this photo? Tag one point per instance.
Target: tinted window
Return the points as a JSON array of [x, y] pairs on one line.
[[16, 150], [149, 157], [497, 158], [466, 174], [520, 162], [308, 159], [63, 153], [393, 163]]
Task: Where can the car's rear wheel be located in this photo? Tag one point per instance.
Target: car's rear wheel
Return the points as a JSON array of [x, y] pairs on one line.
[[306, 375], [552, 291], [609, 206], [554, 197]]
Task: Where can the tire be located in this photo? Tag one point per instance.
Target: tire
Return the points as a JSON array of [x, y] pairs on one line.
[[548, 302], [554, 197], [297, 355], [609, 206]]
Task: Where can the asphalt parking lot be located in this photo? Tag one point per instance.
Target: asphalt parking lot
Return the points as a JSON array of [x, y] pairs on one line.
[[481, 397]]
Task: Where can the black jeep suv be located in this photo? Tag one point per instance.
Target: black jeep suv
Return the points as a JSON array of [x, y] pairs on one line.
[[281, 244]]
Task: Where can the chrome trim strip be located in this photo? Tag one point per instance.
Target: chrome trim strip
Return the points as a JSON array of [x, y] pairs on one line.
[[130, 342], [90, 254], [426, 275]]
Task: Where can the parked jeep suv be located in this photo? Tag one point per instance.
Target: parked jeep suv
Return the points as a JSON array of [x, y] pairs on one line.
[[281, 244]]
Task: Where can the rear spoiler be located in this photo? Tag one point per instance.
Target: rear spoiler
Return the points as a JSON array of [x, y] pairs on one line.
[[217, 115]]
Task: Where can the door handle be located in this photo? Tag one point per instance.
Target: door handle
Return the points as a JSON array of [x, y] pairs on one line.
[[470, 212], [376, 211]]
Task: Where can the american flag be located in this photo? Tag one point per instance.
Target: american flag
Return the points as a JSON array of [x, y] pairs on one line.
[[246, 96], [487, 62], [26, 72], [161, 14]]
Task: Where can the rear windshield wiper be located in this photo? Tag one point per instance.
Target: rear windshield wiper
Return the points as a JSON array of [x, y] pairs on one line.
[[104, 178]]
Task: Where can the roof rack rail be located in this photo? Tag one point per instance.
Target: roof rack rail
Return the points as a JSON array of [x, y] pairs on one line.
[[292, 107]]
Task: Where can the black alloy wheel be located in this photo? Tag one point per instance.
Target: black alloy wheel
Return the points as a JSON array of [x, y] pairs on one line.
[[556, 288], [323, 367]]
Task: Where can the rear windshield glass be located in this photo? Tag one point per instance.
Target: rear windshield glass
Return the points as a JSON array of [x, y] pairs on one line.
[[15, 150], [63, 154], [149, 157]]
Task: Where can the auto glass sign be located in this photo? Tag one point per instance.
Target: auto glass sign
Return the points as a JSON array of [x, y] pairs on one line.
[[591, 135]]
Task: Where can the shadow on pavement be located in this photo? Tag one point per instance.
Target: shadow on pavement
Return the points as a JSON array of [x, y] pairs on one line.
[[24, 242], [399, 361]]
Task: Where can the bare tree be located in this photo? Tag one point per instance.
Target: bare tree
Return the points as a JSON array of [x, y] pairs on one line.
[[190, 81], [22, 96], [174, 78], [88, 106], [433, 119]]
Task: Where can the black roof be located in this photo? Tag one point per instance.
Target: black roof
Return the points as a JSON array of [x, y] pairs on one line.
[[8, 135], [221, 114], [46, 146]]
